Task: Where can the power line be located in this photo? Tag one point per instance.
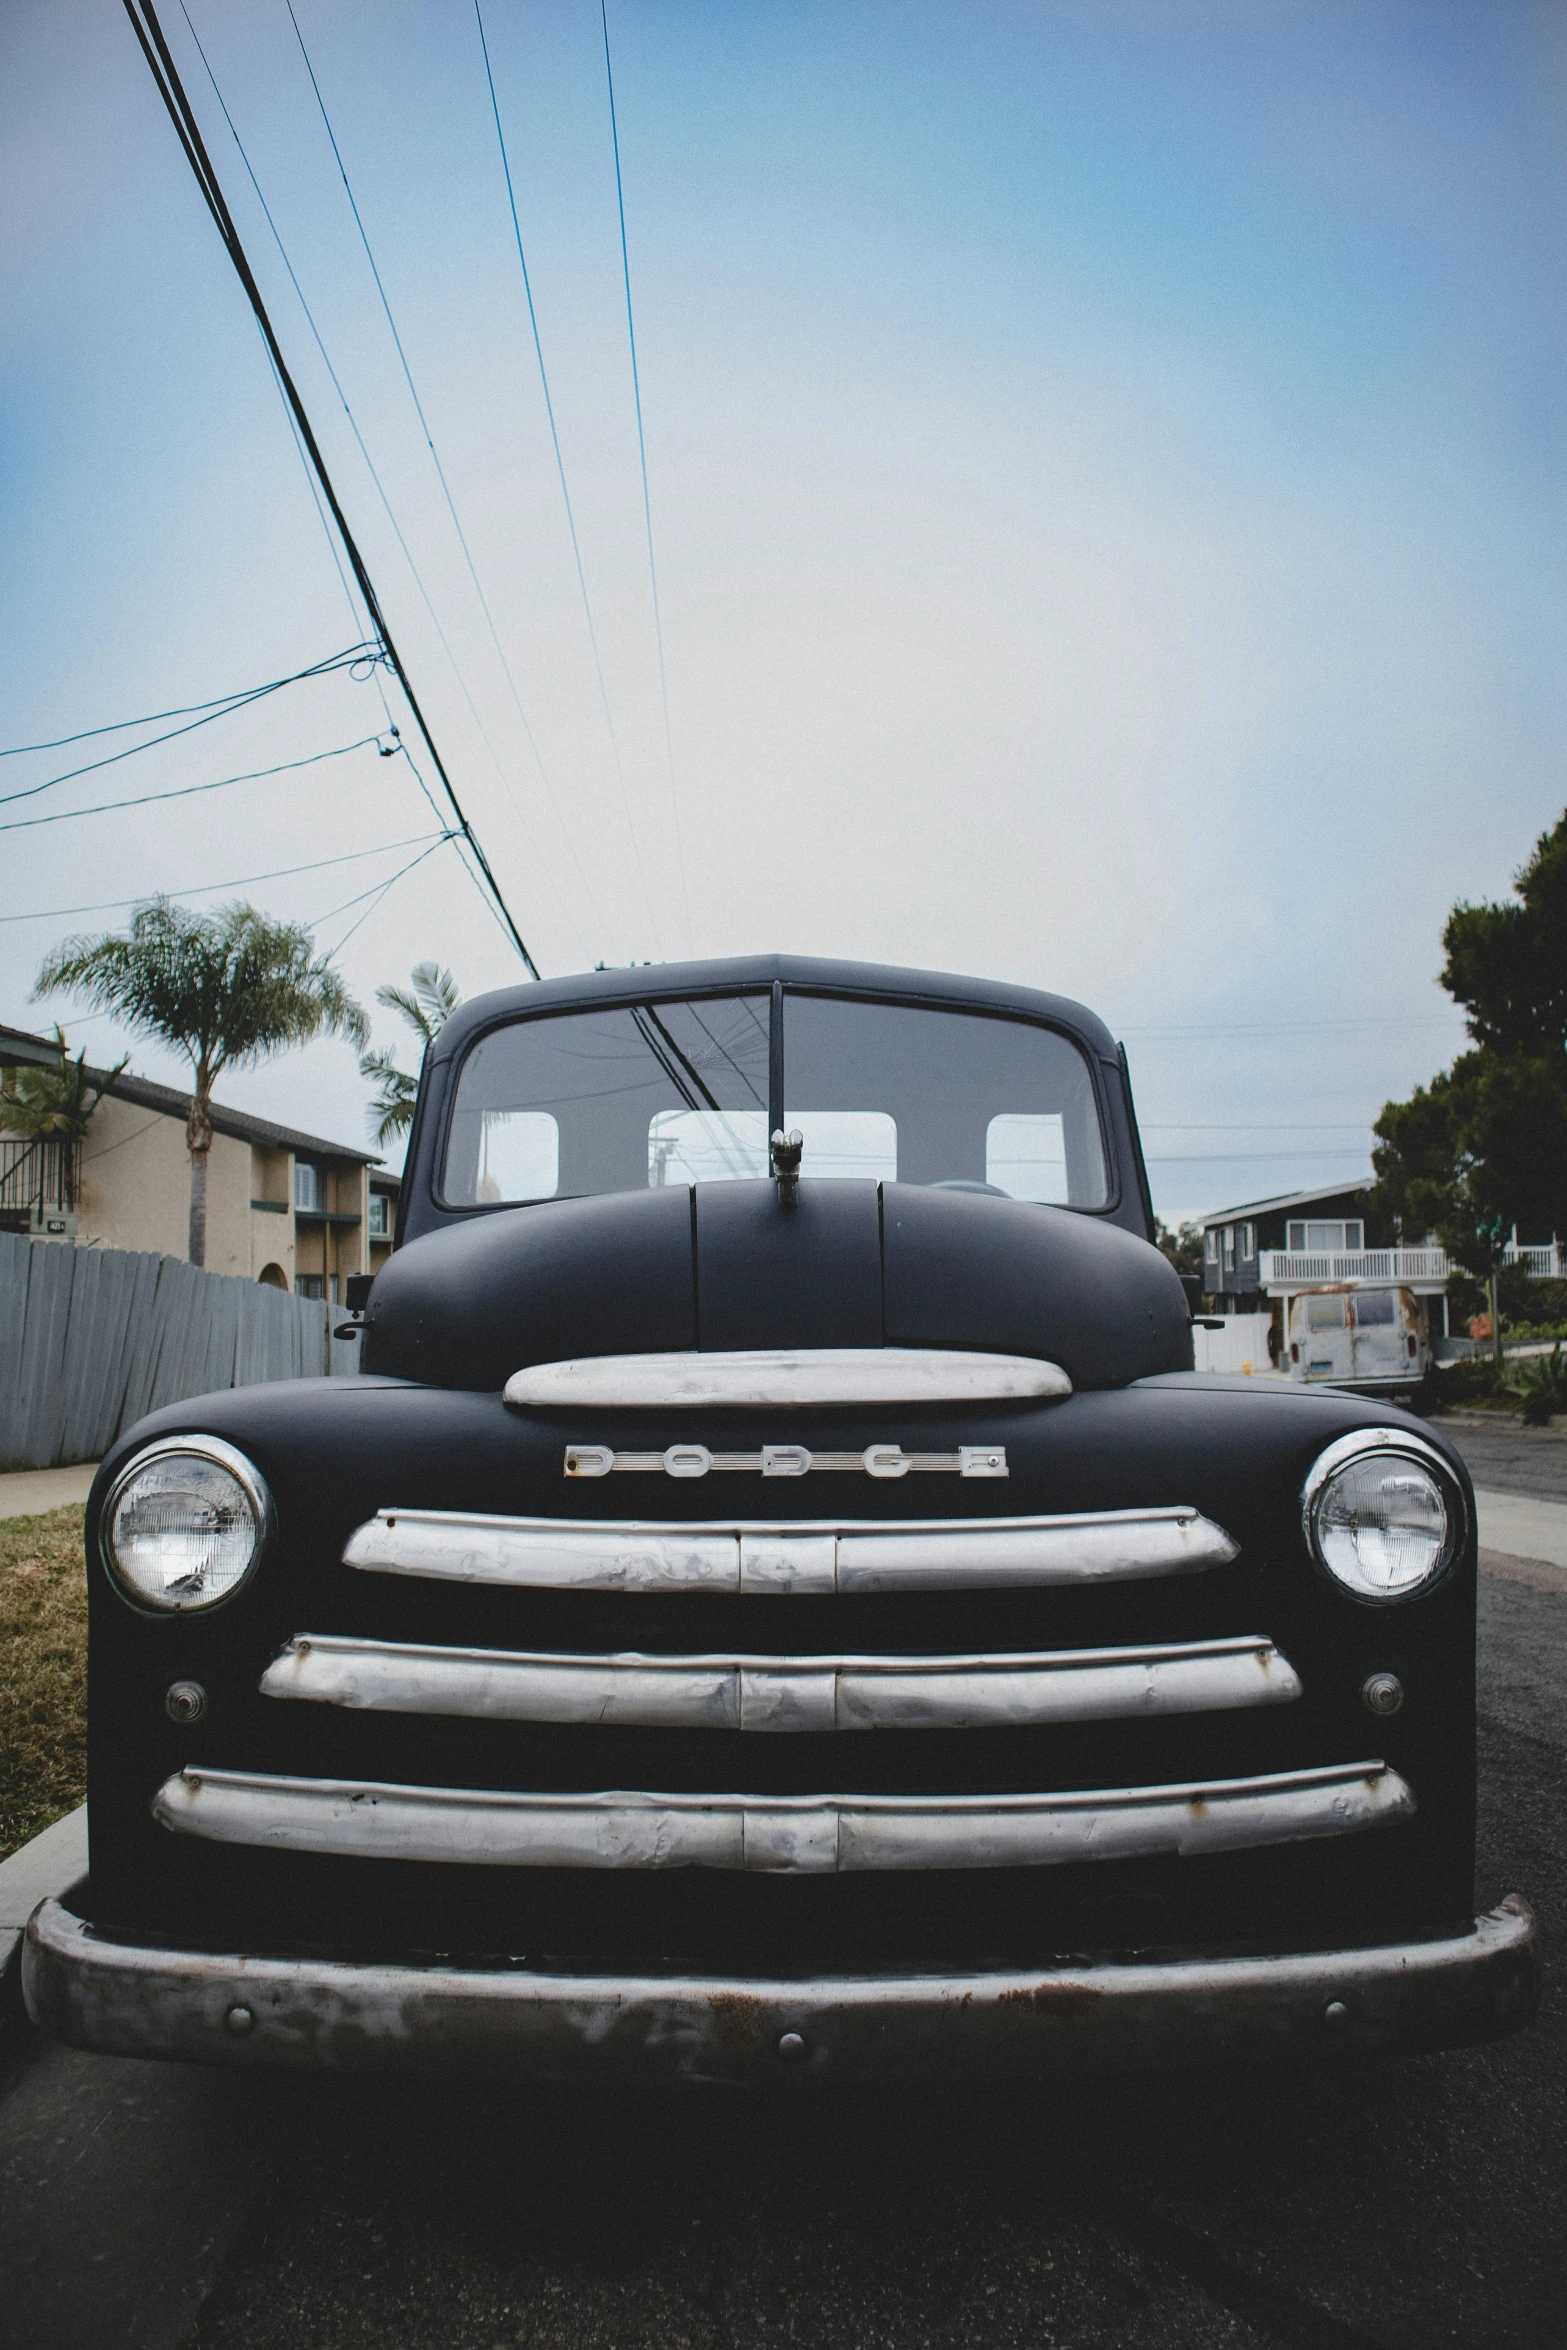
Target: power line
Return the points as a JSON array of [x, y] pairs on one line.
[[1271, 1126], [132, 750], [220, 703], [1248, 1158], [207, 889], [456, 838], [560, 468], [155, 49], [1295, 1027], [424, 426], [378, 892], [380, 489], [189, 791], [647, 504]]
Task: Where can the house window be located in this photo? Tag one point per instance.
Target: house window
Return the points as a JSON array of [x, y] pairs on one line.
[[1329, 1239], [1229, 1248], [1248, 1242], [308, 1186], [380, 1216], [1210, 1246], [309, 1285]]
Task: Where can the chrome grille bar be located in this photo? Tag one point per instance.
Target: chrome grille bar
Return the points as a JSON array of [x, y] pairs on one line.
[[805, 1556], [784, 1693], [792, 1835]]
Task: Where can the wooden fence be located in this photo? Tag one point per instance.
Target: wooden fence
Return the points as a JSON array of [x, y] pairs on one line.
[[90, 1339]]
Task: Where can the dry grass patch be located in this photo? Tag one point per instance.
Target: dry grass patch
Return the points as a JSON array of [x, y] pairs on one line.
[[43, 1672]]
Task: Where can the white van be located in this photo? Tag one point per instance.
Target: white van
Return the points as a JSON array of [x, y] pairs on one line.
[[1368, 1338]]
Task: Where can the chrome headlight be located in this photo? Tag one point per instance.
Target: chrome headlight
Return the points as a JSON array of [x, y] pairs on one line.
[[185, 1523], [1383, 1513]]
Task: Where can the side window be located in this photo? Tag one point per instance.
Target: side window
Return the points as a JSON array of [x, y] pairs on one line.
[[519, 1156], [1296, 1239], [1355, 1237], [1025, 1155]]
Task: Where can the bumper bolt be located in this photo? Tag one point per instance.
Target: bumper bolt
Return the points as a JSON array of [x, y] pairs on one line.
[[1335, 2015], [1382, 1694], [791, 2048], [185, 1703], [240, 2021]]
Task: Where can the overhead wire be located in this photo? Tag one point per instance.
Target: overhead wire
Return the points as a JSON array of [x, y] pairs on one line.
[[560, 468], [1245, 1158], [238, 702], [647, 503], [377, 892], [457, 839], [397, 530], [188, 791], [207, 889], [149, 34], [219, 703], [435, 458]]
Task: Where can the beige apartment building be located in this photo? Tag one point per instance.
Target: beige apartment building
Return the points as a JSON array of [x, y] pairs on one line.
[[283, 1207]]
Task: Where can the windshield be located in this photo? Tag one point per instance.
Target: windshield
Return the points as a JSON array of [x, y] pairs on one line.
[[674, 1093]]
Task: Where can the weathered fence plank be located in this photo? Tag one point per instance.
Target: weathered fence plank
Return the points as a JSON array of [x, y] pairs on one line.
[[91, 1339]]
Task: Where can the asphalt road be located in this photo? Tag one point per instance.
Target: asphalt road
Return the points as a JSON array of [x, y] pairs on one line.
[[1400, 2205]]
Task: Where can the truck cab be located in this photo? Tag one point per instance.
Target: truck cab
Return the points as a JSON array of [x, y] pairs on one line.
[[778, 1600]]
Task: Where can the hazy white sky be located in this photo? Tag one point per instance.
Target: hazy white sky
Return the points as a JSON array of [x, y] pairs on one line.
[[1107, 473]]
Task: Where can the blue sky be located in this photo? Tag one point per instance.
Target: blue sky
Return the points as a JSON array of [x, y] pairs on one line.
[[1107, 473]]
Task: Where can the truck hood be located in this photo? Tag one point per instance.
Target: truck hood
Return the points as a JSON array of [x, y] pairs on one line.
[[724, 1265]]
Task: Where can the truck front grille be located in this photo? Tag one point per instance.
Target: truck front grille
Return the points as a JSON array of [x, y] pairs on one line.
[[796, 1836], [800, 1556], [782, 1693]]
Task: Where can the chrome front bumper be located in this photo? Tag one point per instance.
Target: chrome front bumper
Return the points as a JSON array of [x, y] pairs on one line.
[[129, 1999]]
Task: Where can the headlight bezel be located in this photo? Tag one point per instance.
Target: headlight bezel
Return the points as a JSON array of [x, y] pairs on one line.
[[1357, 1447], [220, 1454]]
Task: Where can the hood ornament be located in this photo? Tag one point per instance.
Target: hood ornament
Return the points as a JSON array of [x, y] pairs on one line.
[[786, 1150]]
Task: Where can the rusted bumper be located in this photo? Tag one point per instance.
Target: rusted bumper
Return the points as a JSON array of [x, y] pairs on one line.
[[130, 1999]]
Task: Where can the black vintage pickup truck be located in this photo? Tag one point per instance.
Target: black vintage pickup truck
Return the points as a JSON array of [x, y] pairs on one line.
[[777, 1600]]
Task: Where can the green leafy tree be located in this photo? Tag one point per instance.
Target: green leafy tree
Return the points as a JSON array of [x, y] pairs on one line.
[[1507, 964], [53, 1103], [1183, 1247], [226, 989], [1483, 1147], [425, 1008]]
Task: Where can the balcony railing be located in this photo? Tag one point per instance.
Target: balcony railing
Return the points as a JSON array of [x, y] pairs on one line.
[[1279, 1268], [41, 1177]]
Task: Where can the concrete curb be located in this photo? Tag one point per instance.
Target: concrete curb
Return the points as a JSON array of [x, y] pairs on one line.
[[50, 1864]]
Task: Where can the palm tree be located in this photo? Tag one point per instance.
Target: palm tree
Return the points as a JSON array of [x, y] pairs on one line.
[[433, 1001], [226, 989]]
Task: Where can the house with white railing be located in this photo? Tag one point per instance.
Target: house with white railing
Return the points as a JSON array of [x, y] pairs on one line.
[[1271, 1249]]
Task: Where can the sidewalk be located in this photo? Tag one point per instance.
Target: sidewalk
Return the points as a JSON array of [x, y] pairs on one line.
[[50, 1863], [1522, 1527], [27, 1493]]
